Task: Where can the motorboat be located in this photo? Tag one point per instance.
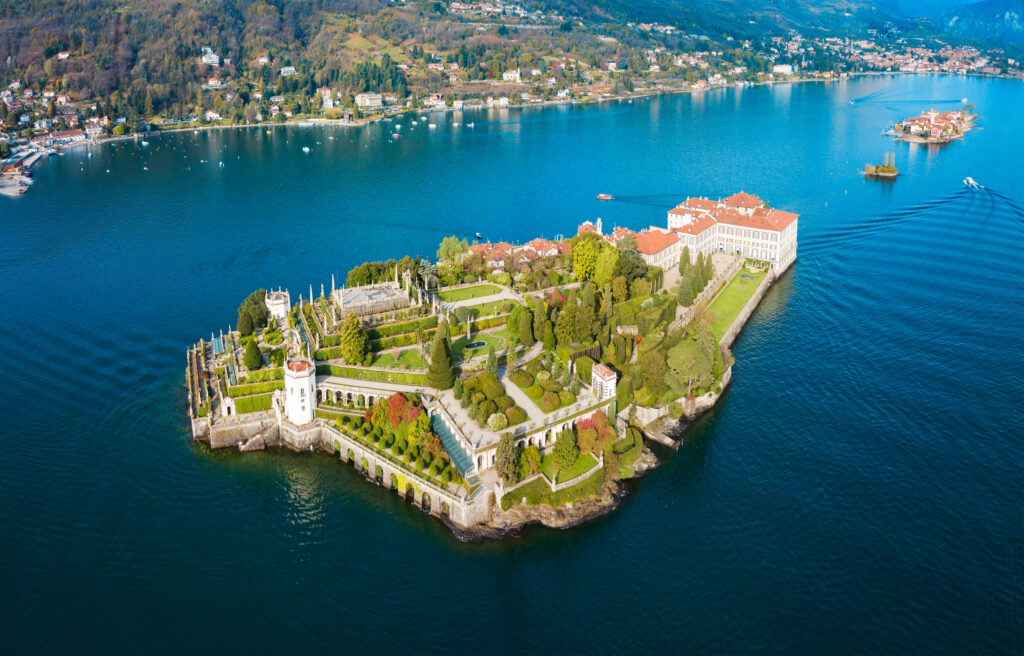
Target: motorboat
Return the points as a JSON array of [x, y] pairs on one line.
[[969, 182]]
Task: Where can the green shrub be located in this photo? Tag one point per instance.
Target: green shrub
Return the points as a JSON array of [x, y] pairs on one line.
[[471, 384], [504, 403], [675, 409], [542, 376], [549, 402], [566, 398], [551, 386], [522, 379], [497, 421], [515, 415], [490, 385], [535, 392], [488, 408]]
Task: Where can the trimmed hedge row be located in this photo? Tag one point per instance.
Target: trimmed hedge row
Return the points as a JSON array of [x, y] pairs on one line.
[[255, 403], [262, 376], [369, 374], [235, 391]]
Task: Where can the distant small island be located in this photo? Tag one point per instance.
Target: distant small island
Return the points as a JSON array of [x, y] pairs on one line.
[[503, 385], [935, 127], [887, 170]]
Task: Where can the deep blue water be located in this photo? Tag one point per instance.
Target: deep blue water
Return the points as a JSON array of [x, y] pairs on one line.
[[860, 488]]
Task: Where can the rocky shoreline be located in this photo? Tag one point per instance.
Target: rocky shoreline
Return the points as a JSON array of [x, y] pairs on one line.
[[512, 522]]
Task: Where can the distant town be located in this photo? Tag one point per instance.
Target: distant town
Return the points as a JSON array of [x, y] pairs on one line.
[[504, 384], [49, 109]]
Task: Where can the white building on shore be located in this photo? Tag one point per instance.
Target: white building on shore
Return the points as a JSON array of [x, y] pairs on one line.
[[742, 224], [300, 390]]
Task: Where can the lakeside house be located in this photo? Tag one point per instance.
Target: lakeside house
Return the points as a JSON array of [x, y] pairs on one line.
[[369, 100]]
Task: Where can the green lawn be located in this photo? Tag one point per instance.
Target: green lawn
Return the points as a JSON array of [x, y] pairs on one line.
[[460, 352], [465, 293], [407, 359], [583, 464], [728, 304], [537, 492], [488, 309], [366, 374]]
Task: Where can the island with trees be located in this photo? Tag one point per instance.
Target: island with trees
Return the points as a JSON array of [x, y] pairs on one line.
[[495, 387]]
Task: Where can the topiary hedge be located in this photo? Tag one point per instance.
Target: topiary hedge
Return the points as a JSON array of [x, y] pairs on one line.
[[522, 379], [535, 392]]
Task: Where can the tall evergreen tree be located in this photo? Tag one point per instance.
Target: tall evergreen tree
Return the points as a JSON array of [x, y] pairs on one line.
[[492, 362], [353, 340], [525, 329], [506, 459], [441, 374], [686, 295], [549, 337], [684, 261]]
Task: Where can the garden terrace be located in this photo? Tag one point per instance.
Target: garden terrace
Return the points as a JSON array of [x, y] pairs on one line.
[[538, 491], [360, 373], [466, 293], [487, 403], [399, 428], [543, 389], [728, 304], [405, 359]]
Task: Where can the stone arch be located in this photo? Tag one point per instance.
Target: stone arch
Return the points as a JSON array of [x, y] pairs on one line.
[[350, 456], [337, 446], [445, 508], [363, 465], [410, 492], [425, 501], [319, 396], [480, 462], [394, 481], [379, 473]]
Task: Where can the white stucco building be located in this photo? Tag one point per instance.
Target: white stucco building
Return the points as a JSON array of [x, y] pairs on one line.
[[603, 380], [299, 390], [369, 100], [741, 224], [278, 303]]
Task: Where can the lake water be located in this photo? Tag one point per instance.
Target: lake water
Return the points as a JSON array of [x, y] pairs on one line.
[[860, 488]]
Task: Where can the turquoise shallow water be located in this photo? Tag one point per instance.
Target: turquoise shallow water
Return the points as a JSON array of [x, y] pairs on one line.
[[859, 488]]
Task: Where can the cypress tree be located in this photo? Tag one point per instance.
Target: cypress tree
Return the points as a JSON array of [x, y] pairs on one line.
[[440, 374], [686, 285], [252, 358], [684, 261], [526, 329], [549, 337], [492, 362], [709, 272], [245, 326]]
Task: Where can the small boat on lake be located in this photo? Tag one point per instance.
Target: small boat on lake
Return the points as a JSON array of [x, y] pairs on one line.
[[604, 197], [969, 182]]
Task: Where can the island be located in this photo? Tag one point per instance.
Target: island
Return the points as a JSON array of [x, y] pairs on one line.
[[935, 127], [502, 385], [887, 170]]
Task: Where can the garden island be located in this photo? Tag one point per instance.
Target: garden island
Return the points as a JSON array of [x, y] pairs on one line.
[[501, 385]]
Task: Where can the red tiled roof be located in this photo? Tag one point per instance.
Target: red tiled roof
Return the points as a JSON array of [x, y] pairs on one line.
[[299, 365], [699, 204], [586, 227], [650, 242], [744, 200], [761, 219], [699, 224], [603, 372]]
